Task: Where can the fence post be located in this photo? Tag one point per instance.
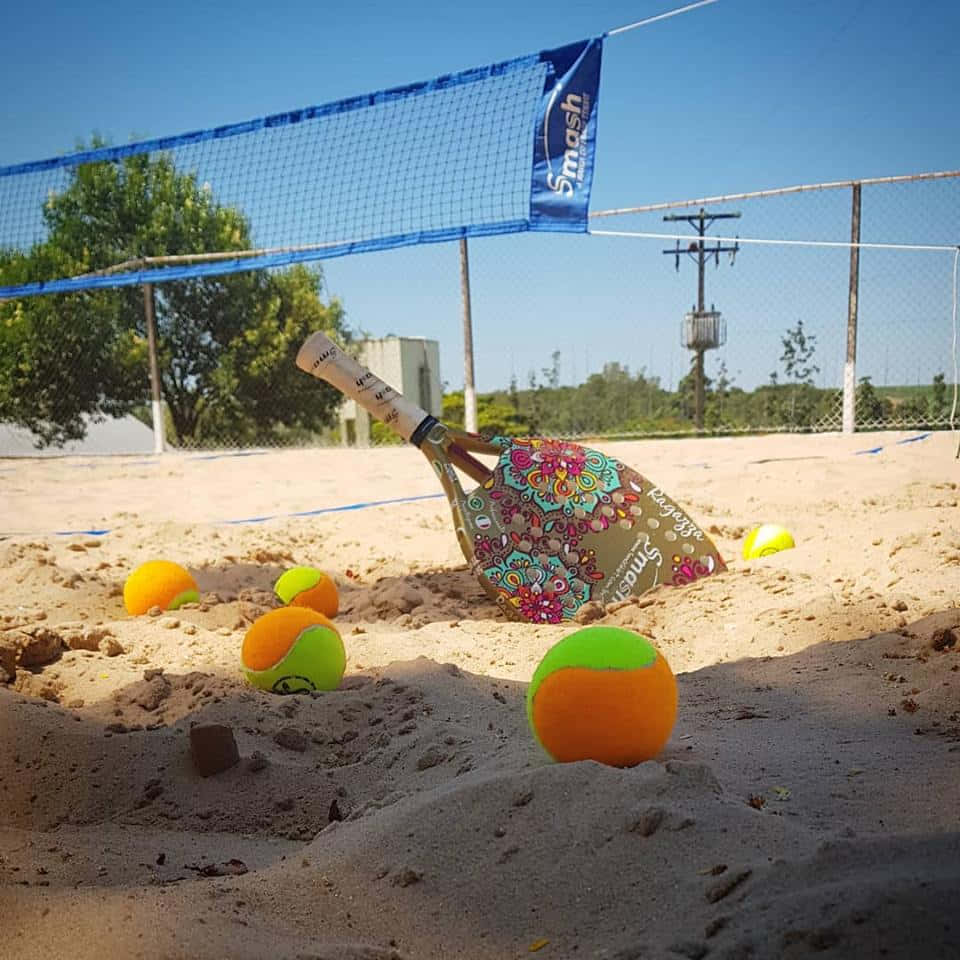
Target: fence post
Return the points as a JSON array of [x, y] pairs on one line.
[[469, 390], [850, 367], [156, 405]]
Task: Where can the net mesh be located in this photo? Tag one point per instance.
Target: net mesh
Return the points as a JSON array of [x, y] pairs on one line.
[[425, 162]]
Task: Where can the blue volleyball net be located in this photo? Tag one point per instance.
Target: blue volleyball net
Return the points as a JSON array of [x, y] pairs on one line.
[[499, 149]]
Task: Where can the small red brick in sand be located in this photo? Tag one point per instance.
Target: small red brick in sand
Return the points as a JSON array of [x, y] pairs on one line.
[[213, 747]]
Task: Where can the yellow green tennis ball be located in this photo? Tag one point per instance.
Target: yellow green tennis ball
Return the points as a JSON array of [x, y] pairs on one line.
[[604, 694], [308, 587], [293, 650], [766, 539], [159, 583]]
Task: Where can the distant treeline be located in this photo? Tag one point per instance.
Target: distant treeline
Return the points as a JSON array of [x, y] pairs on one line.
[[616, 401]]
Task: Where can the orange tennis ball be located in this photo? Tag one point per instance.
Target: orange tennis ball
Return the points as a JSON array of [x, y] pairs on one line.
[[159, 583], [293, 650], [308, 587], [604, 694]]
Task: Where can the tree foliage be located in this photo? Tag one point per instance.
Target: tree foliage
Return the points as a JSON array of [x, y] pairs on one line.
[[496, 416], [616, 401], [797, 360], [226, 344], [871, 407], [686, 399], [65, 358], [938, 398]]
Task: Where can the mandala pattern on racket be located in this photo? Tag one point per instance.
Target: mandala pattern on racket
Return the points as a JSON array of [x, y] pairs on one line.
[[546, 496], [686, 569], [560, 475], [542, 587]]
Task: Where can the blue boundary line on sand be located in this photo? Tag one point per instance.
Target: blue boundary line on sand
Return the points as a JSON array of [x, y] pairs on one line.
[[921, 436], [341, 509], [96, 532], [235, 453], [77, 533], [155, 461], [100, 532]]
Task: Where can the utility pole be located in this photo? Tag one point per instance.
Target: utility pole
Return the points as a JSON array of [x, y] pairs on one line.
[[703, 329]]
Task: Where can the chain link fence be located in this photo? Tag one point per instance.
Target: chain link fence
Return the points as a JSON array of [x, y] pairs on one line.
[[583, 334], [793, 267]]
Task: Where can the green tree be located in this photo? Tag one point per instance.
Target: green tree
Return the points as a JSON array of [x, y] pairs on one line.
[[453, 410], [496, 415], [382, 436], [599, 394], [226, 344], [914, 408], [716, 400], [498, 418], [687, 390], [797, 357], [65, 358], [514, 393], [551, 374], [256, 394], [871, 407], [938, 400]]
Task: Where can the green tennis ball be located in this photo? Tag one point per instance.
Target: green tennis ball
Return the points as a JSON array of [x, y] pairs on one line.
[[293, 650], [765, 540], [308, 587], [604, 694]]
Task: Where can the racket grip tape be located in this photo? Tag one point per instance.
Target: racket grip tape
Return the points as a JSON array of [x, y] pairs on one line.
[[326, 360]]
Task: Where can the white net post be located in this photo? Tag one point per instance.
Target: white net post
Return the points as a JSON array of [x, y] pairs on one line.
[[156, 392]]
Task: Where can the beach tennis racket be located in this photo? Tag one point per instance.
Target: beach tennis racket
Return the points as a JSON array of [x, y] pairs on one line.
[[552, 525]]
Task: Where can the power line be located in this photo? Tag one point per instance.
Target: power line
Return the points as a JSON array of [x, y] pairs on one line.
[[776, 192], [863, 245], [659, 16]]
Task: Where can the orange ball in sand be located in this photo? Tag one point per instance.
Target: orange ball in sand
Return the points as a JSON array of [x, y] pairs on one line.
[[159, 583], [604, 694], [293, 650], [308, 587]]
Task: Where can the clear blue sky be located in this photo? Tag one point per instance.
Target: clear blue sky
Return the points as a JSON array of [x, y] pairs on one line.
[[740, 95]]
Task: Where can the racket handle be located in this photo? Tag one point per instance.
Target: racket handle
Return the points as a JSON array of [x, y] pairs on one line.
[[326, 360]]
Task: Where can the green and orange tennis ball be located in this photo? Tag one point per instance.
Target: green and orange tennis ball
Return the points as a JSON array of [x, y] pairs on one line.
[[604, 694], [293, 650], [308, 587], [765, 540], [159, 583]]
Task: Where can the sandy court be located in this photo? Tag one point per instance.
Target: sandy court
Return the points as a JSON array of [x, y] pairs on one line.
[[807, 803]]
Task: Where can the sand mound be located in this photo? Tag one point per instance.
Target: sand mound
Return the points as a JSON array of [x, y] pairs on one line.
[[806, 804]]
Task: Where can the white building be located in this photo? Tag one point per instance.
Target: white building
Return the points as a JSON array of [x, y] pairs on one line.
[[411, 365], [124, 435]]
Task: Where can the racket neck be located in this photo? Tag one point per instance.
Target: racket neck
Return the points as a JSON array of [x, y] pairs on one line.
[[447, 449], [424, 427]]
